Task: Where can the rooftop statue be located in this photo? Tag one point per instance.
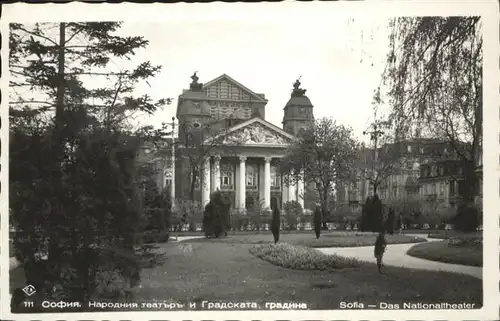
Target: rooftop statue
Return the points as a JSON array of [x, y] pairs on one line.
[[297, 91], [195, 85]]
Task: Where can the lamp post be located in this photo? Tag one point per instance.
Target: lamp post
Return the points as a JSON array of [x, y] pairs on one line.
[[172, 171], [375, 133]]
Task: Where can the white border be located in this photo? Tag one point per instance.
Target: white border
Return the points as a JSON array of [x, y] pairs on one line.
[[489, 11]]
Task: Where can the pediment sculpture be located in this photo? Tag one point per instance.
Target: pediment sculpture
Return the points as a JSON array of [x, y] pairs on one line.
[[257, 134]]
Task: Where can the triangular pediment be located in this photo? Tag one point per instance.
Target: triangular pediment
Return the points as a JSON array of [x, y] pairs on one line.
[[257, 132], [225, 87]]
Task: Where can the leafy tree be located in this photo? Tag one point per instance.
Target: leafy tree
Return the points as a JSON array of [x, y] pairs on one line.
[[434, 82], [74, 194], [324, 154]]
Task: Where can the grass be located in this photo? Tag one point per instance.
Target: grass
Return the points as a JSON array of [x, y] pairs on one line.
[[225, 270], [442, 251], [328, 239], [301, 258], [196, 271]]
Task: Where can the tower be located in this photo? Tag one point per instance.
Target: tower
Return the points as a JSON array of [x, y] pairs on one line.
[[193, 111], [298, 111]]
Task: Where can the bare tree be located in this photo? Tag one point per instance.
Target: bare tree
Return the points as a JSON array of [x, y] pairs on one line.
[[202, 142]]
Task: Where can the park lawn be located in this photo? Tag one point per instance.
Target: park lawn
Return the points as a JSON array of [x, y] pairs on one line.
[[328, 239], [441, 251], [209, 271]]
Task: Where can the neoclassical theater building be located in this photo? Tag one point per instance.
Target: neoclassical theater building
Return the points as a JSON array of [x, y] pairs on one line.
[[247, 175]]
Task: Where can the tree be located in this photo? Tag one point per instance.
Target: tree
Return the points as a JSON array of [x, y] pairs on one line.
[[199, 144], [323, 155], [81, 204], [383, 160], [434, 83]]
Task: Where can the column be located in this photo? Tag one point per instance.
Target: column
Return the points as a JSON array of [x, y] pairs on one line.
[[205, 182], [216, 173], [242, 183], [300, 192], [267, 182], [292, 192]]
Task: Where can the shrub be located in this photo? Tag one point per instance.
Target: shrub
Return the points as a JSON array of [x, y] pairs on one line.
[[292, 210], [372, 219], [301, 258], [275, 224], [467, 218], [186, 212], [155, 236], [216, 216], [466, 241]]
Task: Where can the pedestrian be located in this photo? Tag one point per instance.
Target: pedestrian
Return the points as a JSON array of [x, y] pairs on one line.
[[380, 245]]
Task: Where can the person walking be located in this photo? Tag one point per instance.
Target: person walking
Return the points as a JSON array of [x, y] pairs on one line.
[[380, 245]]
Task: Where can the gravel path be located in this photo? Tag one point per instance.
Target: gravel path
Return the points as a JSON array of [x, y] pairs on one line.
[[395, 255]]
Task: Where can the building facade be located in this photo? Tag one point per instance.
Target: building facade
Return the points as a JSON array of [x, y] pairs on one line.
[[246, 173], [424, 168]]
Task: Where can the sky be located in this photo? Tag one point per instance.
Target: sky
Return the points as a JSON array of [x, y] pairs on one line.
[[340, 56], [340, 62]]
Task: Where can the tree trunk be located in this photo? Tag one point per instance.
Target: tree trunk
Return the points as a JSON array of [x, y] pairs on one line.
[[193, 185], [324, 208], [375, 187]]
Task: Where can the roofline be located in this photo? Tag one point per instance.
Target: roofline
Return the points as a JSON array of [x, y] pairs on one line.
[[263, 122], [253, 93]]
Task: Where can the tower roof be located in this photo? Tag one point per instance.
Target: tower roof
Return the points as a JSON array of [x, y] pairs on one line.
[[298, 96]]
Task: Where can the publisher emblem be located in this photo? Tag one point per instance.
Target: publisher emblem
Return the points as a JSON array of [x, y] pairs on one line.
[[29, 290]]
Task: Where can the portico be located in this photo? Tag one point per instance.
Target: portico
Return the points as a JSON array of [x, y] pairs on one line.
[[243, 178]]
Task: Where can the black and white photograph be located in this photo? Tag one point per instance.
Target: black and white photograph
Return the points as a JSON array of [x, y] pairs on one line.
[[237, 160]]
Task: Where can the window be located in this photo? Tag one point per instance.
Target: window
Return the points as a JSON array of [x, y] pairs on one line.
[[452, 188], [409, 148], [168, 182], [252, 174], [226, 176], [441, 189], [275, 178]]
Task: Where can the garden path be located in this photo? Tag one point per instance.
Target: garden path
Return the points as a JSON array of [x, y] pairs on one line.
[[395, 255]]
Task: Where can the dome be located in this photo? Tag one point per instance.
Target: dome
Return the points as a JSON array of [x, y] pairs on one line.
[[299, 101]]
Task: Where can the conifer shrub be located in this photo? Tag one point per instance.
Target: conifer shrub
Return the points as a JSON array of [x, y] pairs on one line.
[[275, 224], [216, 216], [317, 221]]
